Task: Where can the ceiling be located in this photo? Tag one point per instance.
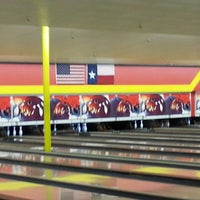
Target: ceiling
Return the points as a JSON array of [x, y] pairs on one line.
[[102, 31]]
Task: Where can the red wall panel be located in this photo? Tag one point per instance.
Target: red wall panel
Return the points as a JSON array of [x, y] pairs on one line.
[[31, 74], [145, 75], [20, 74], [23, 74]]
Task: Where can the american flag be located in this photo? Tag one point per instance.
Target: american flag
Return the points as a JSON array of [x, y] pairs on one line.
[[70, 74]]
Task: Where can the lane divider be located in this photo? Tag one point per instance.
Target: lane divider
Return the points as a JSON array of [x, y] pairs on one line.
[[76, 178]]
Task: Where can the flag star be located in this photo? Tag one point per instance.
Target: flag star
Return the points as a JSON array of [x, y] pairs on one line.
[[92, 75]]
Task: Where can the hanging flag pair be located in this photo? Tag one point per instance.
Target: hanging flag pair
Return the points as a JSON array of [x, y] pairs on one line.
[[84, 74]]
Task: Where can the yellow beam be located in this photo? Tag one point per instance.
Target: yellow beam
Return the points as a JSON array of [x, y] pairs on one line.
[[46, 89], [117, 89], [94, 89], [21, 90], [195, 81]]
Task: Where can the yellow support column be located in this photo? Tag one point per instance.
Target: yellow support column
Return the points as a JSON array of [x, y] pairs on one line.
[[46, 90]]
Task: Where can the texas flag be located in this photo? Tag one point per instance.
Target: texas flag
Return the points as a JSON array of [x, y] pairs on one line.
[[101, 74]]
